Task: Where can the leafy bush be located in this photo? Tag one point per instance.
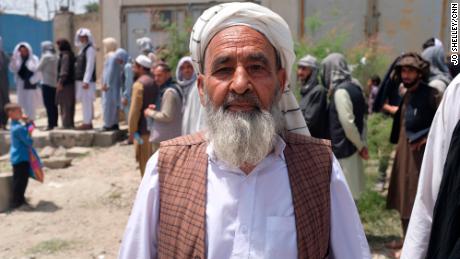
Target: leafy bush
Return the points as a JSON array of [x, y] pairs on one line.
[[179, 37], [92, 7]]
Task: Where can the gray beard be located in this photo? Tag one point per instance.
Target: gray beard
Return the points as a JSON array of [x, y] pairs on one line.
[[243, 138]]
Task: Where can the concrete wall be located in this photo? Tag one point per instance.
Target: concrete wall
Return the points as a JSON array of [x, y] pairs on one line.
[[405, 25], [66, 24], [337, 15], [402, 25], [111, 12]]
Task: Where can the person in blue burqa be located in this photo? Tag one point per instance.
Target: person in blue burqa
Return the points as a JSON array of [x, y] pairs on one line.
[[112, 81]]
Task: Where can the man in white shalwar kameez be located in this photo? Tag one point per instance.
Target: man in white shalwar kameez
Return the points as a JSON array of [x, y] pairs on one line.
[[227, 194], [85, 75], [24, 65]]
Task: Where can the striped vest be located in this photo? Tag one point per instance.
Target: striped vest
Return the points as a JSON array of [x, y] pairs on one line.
[[182, 167]]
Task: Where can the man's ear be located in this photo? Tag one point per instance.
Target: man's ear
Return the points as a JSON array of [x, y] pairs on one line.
[[200, 84], [282, 79]]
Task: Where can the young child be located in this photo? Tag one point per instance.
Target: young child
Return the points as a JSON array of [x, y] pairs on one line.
[[21, 142]]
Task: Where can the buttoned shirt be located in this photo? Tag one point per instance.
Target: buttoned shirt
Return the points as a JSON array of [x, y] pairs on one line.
[[247, 215]]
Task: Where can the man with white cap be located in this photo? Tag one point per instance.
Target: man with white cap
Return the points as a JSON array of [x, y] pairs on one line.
[[85, 75], [247, 188], [144, 94]]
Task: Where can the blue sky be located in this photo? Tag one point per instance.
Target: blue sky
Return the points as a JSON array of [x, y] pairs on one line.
[[27, 6]]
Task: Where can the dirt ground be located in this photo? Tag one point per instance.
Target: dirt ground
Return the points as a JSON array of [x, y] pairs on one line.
[[78, 212]]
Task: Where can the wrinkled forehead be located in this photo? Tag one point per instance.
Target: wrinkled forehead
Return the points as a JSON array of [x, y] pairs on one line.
[[238, 36]]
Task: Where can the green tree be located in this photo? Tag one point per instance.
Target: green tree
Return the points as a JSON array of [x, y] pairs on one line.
[[92, 7], [179, 37]]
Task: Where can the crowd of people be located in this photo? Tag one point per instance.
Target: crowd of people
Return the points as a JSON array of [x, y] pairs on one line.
[[226, 137]]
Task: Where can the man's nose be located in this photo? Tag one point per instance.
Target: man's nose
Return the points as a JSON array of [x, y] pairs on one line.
[[241, 81]]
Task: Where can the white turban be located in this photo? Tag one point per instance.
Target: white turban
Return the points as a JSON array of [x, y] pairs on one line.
[[144, 61], [255, 16], [83, 32], [263, 20]]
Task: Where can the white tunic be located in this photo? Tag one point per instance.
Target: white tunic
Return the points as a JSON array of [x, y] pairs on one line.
[[247, 216], [434, 158]]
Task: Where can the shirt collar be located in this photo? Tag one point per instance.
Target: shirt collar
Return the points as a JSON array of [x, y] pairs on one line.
[[278, 152]]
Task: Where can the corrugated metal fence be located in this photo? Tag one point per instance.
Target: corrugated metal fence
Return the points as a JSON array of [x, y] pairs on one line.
[[17, 28]]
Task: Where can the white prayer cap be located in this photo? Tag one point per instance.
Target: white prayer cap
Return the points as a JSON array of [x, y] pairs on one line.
[[255, 16], [83, 32], [144, 61]]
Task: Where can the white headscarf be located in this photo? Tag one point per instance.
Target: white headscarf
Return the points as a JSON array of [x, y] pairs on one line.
[[179, 78], [145, 45], [83, 32], [263, 20], [31, 64]]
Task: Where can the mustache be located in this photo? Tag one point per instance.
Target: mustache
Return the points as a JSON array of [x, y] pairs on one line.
[[246, 98]]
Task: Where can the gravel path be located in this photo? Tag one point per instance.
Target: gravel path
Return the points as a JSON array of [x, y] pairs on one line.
[[79, 212]]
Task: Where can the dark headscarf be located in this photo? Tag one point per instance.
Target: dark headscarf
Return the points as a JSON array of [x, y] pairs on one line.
[[388, 89], [413, 60], [64, 45]]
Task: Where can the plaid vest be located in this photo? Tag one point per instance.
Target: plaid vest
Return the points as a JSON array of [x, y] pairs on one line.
[[182, 167]]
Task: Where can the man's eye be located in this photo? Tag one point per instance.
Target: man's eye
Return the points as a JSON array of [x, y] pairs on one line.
[[256, 68], [223, 70]]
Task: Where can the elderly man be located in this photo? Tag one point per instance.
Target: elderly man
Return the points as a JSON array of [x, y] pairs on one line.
[[85, 75], [431, 232], [411, 124], [248, 188], [314, 97], [144, 94]]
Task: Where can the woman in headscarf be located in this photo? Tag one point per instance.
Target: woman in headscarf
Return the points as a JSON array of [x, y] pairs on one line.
[[346, 120], [66, 83], [4, 85], [110, 46], [24, 65], [112, 80], [439, 71], [48, 67], [193, 119]]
